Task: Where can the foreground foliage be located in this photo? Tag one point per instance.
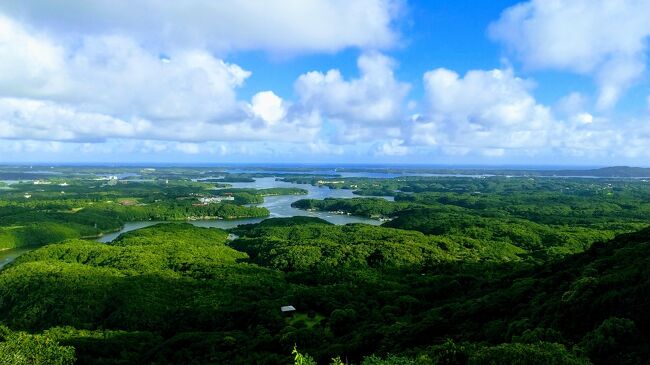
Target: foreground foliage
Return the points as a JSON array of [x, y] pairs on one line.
[[179, 294], [19, 348], [464, 271]]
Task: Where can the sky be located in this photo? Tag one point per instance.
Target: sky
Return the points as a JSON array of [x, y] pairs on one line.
[[449, 82]]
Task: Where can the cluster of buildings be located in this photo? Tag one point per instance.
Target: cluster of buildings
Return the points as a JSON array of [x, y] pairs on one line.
[[323, 182], [110, 180], [45, 182], [216, 199]]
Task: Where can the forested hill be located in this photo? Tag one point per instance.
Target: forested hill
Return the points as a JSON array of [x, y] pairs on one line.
[[463, 270], [615, 171], [178, 294], [610, 172]]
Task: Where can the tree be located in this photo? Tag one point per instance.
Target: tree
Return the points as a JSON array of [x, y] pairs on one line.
[[300, 359], [612, 342], [24, 349]]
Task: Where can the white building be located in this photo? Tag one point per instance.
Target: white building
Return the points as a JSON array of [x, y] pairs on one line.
[[216, 199], [287, 309]]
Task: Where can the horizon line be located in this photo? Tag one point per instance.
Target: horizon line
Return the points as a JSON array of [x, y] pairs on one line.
[[317, 164]]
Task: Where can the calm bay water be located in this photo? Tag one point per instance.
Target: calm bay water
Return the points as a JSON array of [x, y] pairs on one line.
[[7, 256], [279, 206]]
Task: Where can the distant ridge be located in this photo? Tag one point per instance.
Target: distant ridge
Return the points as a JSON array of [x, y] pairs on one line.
[[613, 171], [603, 172]]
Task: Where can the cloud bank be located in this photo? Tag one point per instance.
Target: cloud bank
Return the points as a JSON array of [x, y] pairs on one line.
[[602, 38], [107, 76], [228, 25]]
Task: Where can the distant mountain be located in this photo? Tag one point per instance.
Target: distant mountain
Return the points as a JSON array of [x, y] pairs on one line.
[[614, 171]]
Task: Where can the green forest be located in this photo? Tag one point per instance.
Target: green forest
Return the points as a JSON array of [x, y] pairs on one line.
[[45, 213], [462, 270]]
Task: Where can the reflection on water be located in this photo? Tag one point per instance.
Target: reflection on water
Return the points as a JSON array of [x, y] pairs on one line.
[[130, 226], [278, 206], [7, 256]]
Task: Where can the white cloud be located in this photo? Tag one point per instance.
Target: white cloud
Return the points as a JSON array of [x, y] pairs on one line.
[[394, 147], [607, 39], [29, 146], [276, 26], [113, 74], [493, 114], [268, 106], [361, 107], [40, 120], [111, 87], [493, 152], [572, 103], [132, 150], [189, 148], [584, 118], [77, 81], [375, 97], [484, 109], [31, 63], [323, 148], [153, 147], [221, 150]]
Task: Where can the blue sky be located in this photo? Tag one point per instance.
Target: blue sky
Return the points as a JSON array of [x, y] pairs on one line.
[[452, 33], [370, 81]]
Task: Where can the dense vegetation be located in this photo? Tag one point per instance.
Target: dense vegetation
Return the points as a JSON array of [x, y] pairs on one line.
[[256, 196], [55, 221], [464, 271], [614, 171], [178, 293], [45, 211], [20, 348], [366, 207], [546, 217]]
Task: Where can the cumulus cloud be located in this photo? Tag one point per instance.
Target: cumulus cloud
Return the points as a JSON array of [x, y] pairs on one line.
[[494, 114], [321, 147], [286, 26], [28, 150], [394, 147], [483, 109], [572, 103], [31, 63], [189, 148], [115, 76], [111, 87], [606, 39], [360, 107], [95, 79], [29, 146], [268, 107], [40, 120]]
